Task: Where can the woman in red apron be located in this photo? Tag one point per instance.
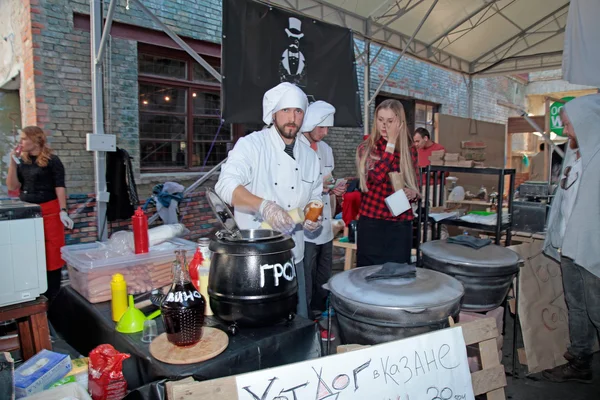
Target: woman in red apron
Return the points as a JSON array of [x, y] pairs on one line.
[[40, 177]]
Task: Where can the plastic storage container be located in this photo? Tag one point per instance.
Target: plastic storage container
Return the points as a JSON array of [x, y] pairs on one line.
[[90, 274]]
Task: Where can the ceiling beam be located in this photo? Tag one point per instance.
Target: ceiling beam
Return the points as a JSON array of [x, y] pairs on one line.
[[499, 12], [360, 25], [523, 33], [459, 23], [474, 21], [401, 12], [534, 62]]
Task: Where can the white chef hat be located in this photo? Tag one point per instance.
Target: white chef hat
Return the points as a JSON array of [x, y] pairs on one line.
[[319, 113], [284, 95]]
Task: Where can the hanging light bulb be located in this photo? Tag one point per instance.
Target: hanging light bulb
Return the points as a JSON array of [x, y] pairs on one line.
[[167, 98], [127, 5], [194, 94], [145, 102]]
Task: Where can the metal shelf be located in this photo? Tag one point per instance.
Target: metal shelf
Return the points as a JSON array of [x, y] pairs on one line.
[[435, 174], [472, 170], [472, 225]]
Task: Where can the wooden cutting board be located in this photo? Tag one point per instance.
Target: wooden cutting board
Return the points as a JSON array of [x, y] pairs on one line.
[[213, 343]]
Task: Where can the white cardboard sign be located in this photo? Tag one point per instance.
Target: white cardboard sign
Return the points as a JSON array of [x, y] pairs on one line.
[[426, 367]]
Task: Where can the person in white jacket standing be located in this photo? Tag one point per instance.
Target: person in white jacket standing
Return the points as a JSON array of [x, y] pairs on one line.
[[269, 173], [318, 250]]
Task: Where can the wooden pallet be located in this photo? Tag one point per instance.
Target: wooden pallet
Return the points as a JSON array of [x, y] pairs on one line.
[[489, 381]]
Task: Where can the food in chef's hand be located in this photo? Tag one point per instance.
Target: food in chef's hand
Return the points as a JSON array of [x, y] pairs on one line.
[[277, 217], [313, 210], [296, 214]]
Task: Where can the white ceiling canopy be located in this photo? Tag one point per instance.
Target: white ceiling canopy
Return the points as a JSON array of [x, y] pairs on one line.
[[478, 37]]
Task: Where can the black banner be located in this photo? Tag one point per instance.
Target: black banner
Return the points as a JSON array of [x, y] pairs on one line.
[[264, 46]]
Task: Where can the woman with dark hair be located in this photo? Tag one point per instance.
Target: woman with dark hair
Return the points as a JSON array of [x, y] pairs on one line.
[[383, 237], [40, 176]]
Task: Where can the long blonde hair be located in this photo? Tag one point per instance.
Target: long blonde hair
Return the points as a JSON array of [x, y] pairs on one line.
[[366, 154], [37, 136]]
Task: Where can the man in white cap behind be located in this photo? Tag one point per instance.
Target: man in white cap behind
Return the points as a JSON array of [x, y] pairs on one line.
[[318, 250], [269, 173]]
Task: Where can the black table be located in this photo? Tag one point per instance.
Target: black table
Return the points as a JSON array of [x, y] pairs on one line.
[[84, 326]]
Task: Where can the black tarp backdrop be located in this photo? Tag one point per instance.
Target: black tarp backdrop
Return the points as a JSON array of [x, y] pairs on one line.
[[264, 46]]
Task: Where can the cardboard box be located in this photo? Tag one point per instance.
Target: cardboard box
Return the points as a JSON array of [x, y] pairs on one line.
[[474, 155], [471, 144], [40, 372], [451, 157], [437, 154]]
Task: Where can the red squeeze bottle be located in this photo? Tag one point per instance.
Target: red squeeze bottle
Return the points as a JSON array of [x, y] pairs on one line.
[[140, 231], [194, 266]]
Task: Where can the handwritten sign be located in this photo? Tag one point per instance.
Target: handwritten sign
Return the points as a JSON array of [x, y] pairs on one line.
[[181, 296], [426, 367], [286, 271]]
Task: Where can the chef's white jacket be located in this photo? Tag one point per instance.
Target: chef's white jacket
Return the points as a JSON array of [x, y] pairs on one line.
[[325, 154], [259, 163]]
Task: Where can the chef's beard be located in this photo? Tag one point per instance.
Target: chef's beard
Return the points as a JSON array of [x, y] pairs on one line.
[[284, 130]]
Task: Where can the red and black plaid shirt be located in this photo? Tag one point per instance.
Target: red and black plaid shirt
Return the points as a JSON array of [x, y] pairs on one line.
[[378, 181]]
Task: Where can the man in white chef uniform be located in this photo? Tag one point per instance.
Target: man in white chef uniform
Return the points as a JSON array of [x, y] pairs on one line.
[[269, 173], [318, 251]]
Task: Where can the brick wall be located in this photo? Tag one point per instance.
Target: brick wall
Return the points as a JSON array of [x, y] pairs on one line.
[[21, 35], [195, 214]]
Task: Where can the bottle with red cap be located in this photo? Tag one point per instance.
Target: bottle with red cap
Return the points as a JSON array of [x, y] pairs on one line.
[[140, 231], [194, 267]]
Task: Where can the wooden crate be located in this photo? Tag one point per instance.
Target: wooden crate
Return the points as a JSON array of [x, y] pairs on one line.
[[489, 381]]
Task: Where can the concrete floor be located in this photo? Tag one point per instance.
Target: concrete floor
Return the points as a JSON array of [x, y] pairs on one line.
[[534, 387], [523, 387]]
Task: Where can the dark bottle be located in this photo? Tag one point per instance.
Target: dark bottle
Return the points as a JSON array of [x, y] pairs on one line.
[[183, 307]]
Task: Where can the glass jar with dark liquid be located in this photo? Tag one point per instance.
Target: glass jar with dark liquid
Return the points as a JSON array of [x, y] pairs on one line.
[[183, 307]]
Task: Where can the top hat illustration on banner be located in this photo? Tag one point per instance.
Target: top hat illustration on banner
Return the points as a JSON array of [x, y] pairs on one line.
[[295, 29]]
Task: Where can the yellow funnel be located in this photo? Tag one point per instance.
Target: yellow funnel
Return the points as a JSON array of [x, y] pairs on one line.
[[133, 319]]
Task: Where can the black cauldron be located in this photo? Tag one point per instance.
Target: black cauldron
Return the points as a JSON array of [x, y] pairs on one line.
[[253, 278]]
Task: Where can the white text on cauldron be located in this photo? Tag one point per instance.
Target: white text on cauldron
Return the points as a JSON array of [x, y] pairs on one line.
[[287, 271]]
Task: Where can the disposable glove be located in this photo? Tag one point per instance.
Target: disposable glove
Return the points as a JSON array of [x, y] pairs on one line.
[[64, 218], [312, 226], [277, 217]]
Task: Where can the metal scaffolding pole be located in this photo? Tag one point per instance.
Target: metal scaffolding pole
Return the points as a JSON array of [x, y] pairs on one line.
[[366, 79], [404, 50], [179, 41], [534, 125], [106, 31], [102, 195]]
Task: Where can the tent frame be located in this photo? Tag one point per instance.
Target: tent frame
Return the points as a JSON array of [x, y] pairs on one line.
[[498, 61]]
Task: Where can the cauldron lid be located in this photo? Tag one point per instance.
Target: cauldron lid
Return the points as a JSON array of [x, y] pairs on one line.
[[224, 215], [490, 256], [428, 289]]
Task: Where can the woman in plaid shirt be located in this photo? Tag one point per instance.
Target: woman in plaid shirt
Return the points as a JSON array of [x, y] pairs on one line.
[[383, 237]]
